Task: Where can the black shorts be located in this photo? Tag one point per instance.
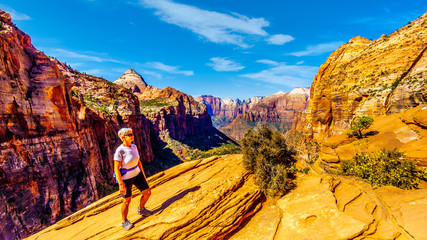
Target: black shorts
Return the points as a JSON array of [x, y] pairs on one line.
[[139, 182]]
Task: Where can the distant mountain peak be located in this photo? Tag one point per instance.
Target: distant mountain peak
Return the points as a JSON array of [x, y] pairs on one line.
[[301, 90], [132, 80], [278, 93], [130, 71]]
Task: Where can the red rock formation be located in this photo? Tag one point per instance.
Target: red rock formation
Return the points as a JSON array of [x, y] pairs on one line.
[[224, 111], [56, 142], [278, 110], [169, 110], [373, 78]]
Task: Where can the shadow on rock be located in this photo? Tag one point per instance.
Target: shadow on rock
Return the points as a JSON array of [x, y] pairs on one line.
[[171, 200]]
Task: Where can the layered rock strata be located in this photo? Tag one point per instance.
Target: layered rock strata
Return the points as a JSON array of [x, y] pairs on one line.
[[278, 110], [177, 120], [57, 135], [374, 78], [224, 111], [202, 199], [216, 198]]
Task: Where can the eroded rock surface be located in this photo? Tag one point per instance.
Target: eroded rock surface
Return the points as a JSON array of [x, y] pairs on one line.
[[216, 198], [204, 199], [325, 207], [404, 131]]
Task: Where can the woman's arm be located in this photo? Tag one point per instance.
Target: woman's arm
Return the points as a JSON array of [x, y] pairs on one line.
[[117, 165]]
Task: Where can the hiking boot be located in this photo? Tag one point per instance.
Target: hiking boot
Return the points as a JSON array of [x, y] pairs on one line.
[[127, 225], [143, 212]]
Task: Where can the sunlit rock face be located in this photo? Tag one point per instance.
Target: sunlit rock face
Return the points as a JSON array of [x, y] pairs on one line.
[[57, 135], [278, 110], [169, 110], [216, 198], [405, 131], [374, 78], [224, 110], [201, 199]]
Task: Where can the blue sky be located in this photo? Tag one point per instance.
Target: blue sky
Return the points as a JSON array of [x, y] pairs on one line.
[[236, 49]]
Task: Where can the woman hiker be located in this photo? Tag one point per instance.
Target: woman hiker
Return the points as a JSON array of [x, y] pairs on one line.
[[128, 171]]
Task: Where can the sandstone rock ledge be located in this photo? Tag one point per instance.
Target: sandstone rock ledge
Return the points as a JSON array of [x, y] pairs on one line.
[[205, 199], [216, 198], [333, 207]]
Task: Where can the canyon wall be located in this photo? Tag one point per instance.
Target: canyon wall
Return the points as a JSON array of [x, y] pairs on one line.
[[176, 118], [277, 110], [362, 77], [224, 111], [57, 135]]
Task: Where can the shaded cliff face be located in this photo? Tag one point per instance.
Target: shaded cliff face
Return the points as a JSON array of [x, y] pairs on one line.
[[373, 78], [57, 136], [216, 198], [278, 110], [224, 111]]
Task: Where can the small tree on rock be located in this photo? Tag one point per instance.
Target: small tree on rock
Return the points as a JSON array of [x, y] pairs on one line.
[[358, 125]]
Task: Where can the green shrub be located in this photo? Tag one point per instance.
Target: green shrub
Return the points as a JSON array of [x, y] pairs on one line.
[[267, 155], [358, 125], [154, 103], [383, 168], [225, 148]]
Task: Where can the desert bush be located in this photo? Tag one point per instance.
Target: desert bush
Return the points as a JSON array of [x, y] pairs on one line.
[[358, 125], [386, 167], [267, 155]]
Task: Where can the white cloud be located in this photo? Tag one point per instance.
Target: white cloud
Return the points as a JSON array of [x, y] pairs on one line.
[[224, 65], [214, 26], [268, 62], [95, 71], [279, 39], [151, 73], [318, 49], [300, 62], [86, 57], [169, 69], [287, 75], [14, 14]]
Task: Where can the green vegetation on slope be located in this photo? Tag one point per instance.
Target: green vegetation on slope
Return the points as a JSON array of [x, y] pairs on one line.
[[225, 148], [384, 168]]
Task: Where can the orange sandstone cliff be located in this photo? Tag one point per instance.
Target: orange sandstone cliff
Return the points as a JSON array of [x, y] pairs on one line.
[[375, 78]]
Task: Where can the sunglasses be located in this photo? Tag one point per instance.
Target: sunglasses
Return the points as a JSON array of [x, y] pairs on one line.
[[129, 135]]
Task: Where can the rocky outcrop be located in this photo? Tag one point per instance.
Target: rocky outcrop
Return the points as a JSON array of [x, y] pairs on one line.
[[406, 132], [224, 111], [216, 198], [325, 207], [202, 199], [58, 133], [373, 78], [132, 81], [278, 110], [176, 118]]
